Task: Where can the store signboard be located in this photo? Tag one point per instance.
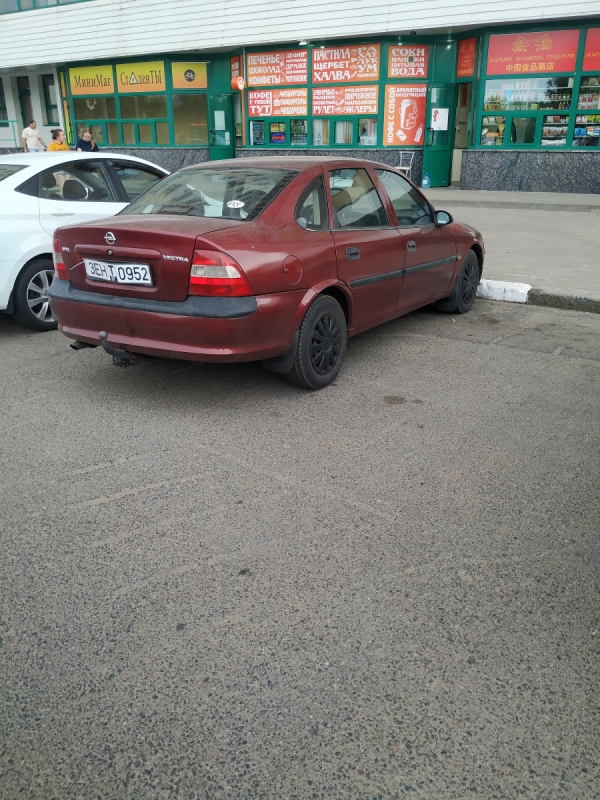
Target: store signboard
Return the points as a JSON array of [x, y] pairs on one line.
[[189, 75], [408, 62], [526, 53], [591, 56], [404, 114], [278, 103], [92, 80], [344, 100], [235, 65], [465, 64], [148, 76], [282, 68], [346, 64]]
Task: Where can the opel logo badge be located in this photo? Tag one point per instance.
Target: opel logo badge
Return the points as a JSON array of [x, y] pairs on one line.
[[110, 238]]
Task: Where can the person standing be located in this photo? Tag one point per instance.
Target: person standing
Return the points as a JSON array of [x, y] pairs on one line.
[[58, 142], [32, 139], [86, 144]]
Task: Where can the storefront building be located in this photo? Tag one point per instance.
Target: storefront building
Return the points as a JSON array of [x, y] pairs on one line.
[[513, 106]]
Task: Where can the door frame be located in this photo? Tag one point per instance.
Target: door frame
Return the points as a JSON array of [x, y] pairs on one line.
[[444, 180]]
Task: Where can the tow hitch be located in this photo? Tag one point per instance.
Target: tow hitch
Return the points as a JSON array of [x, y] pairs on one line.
[[120, 358]]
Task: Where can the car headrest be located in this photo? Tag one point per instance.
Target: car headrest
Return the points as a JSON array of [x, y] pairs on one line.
[[342, 199], [49, 181], [73, 190]]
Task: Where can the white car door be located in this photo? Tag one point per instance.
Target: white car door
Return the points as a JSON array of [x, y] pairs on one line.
[[80, 191]]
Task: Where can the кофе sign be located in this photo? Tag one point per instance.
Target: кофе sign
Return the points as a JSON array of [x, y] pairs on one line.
[[278, 103]]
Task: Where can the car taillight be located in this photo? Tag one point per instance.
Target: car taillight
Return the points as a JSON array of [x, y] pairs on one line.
[[215, 274], [59, 266]]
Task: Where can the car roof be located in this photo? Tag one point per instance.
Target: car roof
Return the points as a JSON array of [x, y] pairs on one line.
[[43, 160], [286, 162]]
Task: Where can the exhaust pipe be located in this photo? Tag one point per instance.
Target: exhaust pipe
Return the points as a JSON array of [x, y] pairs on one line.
[[120, 358]]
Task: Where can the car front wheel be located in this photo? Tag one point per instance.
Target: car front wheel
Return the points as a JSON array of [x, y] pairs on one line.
[[463, 296], [32, 304], [321, 345]]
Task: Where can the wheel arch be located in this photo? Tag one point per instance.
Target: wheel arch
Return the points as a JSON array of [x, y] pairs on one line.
[[10, 305]]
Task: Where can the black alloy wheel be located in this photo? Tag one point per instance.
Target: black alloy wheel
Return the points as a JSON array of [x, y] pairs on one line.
[[321, 345], [465, 290], [32, 303]]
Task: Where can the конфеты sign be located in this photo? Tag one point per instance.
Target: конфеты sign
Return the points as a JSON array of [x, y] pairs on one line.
[[408, 62], [278, 103], [277, 69], [341, 100], [547, 51], [404, 121], [346, 64]]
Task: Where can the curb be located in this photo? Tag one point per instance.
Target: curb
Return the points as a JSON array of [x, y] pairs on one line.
[[524, 293], [460, 203]]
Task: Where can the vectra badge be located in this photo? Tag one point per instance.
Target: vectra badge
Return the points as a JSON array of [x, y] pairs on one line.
[[110, 238]]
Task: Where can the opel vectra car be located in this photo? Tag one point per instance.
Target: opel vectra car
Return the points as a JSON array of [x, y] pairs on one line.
[[39, 192], [273, 259]]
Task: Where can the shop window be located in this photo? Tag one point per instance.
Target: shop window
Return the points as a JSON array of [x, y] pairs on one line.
[[277, 133], [257, 133], [587, 130], [190, 119], [320, 132], [532, 94], [356, 203], [299, 132], [311, 211], [50, 106], [522, 130], [237, 116], [128, 130], [554, 130], [408, 204], [98, 134], [163, 135], [112, 133], [492, 131], [143, 106], [95, 108], [145, 133], [344, 132], [589, 93], [367, 132]]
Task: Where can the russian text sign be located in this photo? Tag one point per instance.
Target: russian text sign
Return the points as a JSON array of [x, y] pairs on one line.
[[346, 64], [591, 57], [277, 68], [404, 114], [548, 51], [148, 76], [344, 100], [465, 64], [278, 103], [408, 62], [92, 80]]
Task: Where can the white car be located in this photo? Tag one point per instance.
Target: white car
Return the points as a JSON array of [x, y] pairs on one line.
[[39, 192]]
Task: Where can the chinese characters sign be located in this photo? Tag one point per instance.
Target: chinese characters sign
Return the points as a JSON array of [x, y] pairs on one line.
[[404, 114], [549, 51], [346, 64], [408, 62], [278, 103], [344, 100], [277, 69], [591, 57], [465, 65]]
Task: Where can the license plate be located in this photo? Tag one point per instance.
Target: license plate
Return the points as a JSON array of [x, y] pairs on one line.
[[137, 274]]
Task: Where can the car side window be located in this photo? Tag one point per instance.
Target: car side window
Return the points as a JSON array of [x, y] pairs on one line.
[[356, 203], [84, 182], [411, 209], [135, 178], [311, 209]]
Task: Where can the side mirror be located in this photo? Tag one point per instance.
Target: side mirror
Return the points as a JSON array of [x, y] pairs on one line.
[[443, 218]]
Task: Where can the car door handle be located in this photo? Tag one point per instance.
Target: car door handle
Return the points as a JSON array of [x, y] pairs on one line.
[[62, 213], [411, 246], [352, 253]]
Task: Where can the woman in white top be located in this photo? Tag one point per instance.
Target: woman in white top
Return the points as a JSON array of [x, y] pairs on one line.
[[32, 139]]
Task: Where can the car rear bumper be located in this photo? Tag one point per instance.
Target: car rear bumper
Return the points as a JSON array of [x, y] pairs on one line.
[[199, 328]]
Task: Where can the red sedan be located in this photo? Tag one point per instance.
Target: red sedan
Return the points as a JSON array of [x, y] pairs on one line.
[[273, 259]]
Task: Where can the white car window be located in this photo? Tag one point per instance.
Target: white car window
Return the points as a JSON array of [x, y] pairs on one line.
[[135, 178], [84, 182]]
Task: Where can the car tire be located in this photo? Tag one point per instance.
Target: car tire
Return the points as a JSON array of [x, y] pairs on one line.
[[463, 295], [32, 304], [321, 345]]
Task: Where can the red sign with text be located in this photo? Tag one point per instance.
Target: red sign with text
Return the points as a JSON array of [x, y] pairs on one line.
[[548, 51], [345, 64], [591, 57], [278, 103], [277, 69], [408, 62], [465, 65], [342, 100], [404, 114]]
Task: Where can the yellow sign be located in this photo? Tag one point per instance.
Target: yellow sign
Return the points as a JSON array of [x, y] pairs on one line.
[[189, 75], [92, 80], [146, 77]]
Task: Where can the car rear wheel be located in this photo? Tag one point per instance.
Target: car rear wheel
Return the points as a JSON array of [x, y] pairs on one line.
[[32, 304], [321, 345], [463, 296]]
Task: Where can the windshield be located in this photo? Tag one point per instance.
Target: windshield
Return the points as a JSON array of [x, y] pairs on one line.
[[6, 170], [224, 192]]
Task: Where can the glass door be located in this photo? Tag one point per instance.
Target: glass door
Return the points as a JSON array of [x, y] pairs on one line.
[[221, 132], [439, 139]]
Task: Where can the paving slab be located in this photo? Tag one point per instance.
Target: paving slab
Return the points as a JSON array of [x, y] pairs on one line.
[[540, 201]]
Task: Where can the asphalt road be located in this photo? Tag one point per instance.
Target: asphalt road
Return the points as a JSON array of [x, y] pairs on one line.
[[215, 585]]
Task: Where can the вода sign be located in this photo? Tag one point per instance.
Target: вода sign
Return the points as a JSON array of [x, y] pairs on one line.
[[547, 51], [408, 62], [404, 122], [189, 75], [278, 103], [341, 100], [465, 64], [146, 77], [92, 80], [346, 64], [277, 68], [591, 57]]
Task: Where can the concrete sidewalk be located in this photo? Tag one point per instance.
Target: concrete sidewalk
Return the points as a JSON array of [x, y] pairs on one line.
[[536, 247]]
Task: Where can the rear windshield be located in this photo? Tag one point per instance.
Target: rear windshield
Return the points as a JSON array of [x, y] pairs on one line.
[[6, 170], [224, 192]]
